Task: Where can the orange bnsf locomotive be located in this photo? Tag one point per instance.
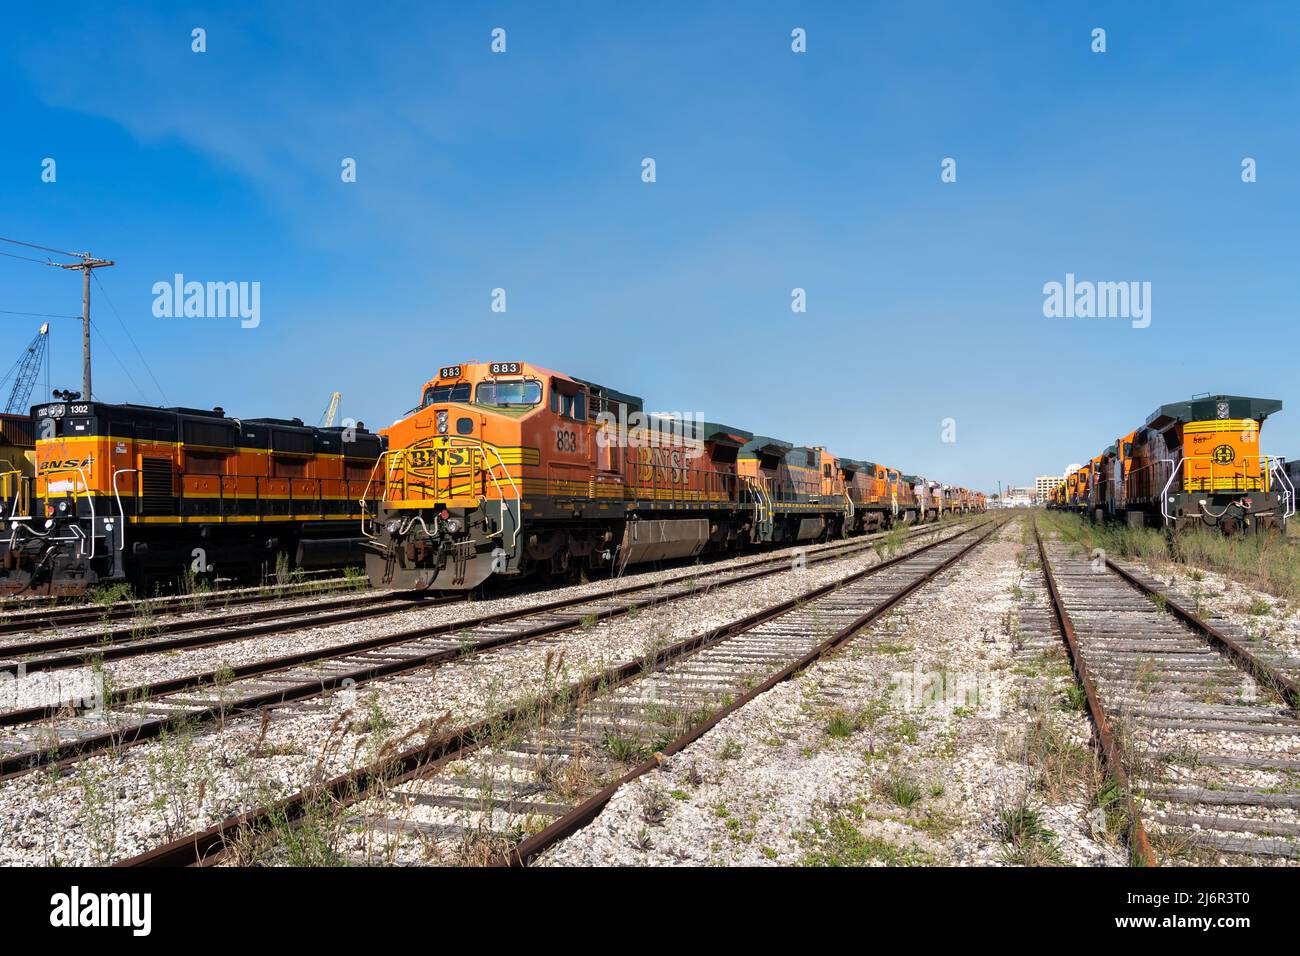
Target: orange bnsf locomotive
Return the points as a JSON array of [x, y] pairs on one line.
[[507, 468], [1193, 464], [151, 496]]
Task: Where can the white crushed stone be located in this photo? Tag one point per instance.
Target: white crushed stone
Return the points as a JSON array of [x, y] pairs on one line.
[[118, 804]]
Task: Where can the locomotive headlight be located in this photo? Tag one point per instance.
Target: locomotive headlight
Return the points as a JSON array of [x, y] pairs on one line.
[[452, 525], [393, 526], [63, 507], [442, 422]]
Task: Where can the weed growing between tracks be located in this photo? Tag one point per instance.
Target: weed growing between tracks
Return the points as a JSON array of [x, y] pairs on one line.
[[247, 781], [107, 595]]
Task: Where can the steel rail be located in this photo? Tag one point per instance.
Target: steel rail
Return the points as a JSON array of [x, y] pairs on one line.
[[20, 621], [1265, 673], [589, 809], [125, 643], [18, 763], [149, 645], [114, 645], [211, 845], [1139, 844]]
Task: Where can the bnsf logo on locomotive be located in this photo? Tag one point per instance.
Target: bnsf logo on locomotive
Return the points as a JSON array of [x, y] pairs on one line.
[[427, 460], [66, 464], [661, 464], [1224, 454]]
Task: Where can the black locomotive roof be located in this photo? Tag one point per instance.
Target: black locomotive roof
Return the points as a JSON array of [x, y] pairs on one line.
[[213, 428], [802, 456], [609, 396], [726, 434], [762, 444], [1210, 407]]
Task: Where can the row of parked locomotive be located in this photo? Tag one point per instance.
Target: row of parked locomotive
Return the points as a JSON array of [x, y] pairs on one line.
[[1196, 463], [154, 497], [510, 469]]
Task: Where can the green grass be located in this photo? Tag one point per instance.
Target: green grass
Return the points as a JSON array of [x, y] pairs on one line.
[[1029, 841], [903, 791], [1074, 698], [1266, 561], [839, 842], [840, 725], [623, 749], [106, 595]]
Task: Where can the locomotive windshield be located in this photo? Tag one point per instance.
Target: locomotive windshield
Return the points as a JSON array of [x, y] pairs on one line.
[[527, 392], [446, 393]]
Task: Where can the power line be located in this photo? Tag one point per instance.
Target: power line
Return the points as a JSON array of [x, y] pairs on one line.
[[39, 262], [130, 338], [32, 245], [87, 265], [40, 315], [113, 352]]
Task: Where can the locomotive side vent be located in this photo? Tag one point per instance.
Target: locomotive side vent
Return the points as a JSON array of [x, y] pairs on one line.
[[156, 486]]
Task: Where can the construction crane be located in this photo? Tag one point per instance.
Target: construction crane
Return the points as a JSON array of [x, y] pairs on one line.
[[327, 420], [25, 371]]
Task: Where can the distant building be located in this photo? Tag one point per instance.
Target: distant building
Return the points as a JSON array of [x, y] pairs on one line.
[[1014, 498], [1044, 485], [1020, 497]]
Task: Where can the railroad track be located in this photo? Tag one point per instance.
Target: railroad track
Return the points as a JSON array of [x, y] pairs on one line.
[[51, 734], [51, 617], [92, 647], [1199, 730], [137, 641], [463, 783]]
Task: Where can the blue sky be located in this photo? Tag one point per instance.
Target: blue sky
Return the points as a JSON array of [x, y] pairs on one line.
[[775, 170]]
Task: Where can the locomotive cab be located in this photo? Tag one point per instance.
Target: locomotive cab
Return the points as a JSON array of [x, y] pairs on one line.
[[450, 492]]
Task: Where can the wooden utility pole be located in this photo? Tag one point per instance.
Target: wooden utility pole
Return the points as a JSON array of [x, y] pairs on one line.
[[88, 262]]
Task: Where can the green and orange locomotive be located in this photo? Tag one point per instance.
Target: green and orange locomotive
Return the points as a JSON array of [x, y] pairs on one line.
[[1196, 463]]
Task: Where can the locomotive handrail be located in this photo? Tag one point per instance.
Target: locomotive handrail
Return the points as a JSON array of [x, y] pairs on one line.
[[1266, 467], [1235, 472], [120, 510], [19, 487], [1164, 494], [77, 534], [396, 460], [1278, 468], [518, 516], [370, 480], [762, 503]]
